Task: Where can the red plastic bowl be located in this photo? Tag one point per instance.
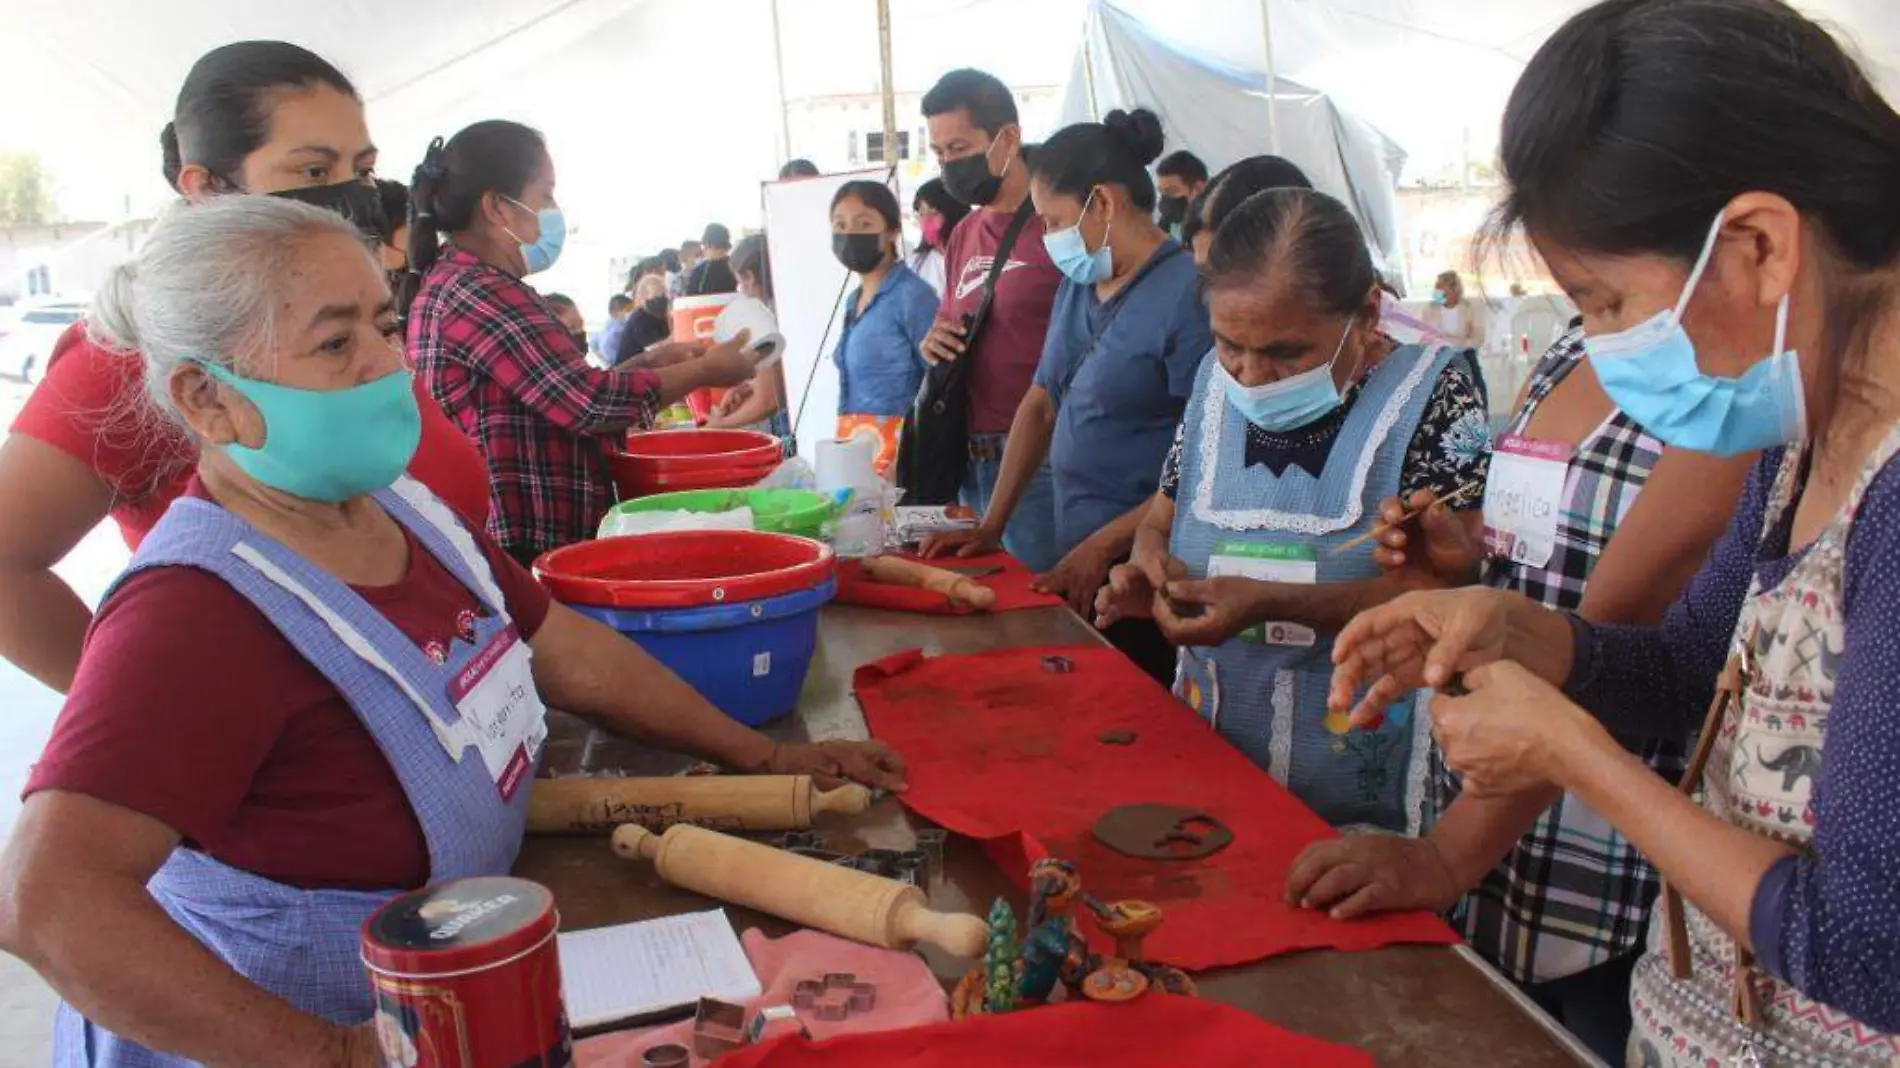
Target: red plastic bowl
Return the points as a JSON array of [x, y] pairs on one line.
[[634, 481], [684, 569], [673, 452]]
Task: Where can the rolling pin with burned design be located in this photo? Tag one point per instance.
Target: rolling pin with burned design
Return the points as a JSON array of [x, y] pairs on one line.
[[725, 802], [846, 902]]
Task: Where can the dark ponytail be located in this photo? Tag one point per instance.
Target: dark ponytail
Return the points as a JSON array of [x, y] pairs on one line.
[[1115, 151], [223, 112], [1638, 120], [445, 195], [1300, 237]]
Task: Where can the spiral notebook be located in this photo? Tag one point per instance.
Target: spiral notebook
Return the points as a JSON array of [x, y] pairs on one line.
[[638, 973]]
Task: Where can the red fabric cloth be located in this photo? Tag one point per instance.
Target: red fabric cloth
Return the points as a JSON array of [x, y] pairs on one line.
[[1011, 345], [1155, 1030], [908, 995], [1001, 748], [1012, 587], [510, 375], [88, 407], [190, 707]]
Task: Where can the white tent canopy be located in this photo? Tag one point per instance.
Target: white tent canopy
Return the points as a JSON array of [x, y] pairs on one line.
[[1219, 112]]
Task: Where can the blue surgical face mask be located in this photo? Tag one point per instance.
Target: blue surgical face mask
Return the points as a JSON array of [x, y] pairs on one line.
[[1287, 403], [541, 254], [328, 445], [1650, 372], [1071, 254], [1439, 297]]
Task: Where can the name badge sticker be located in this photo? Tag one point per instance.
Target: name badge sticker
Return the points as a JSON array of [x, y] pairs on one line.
[[1523, 499]]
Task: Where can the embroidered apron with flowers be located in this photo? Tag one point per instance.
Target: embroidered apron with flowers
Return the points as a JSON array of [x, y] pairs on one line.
[[462, 728], [1265, 691], [1698, 1000]]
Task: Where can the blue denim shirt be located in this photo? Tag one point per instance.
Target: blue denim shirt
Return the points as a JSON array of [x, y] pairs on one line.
[[1120, 374], [879, 356]]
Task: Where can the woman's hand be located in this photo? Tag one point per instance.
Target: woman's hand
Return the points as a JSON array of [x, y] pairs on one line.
[[1511, 732], [962, 542], [1208, 612], [1417, 640], [1434, 549], [1362, 874], [873, 764], [667, 354], [1078, 577], [734, 397], [727, 365]]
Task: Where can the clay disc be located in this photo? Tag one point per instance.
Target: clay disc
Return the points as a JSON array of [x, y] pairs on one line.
[[1162, 832], [1114, 984]]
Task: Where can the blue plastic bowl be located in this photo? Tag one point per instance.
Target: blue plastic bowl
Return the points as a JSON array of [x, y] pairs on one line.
[[749, 658]]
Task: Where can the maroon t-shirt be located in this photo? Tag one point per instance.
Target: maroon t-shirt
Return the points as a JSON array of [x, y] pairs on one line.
[[191, 708], [1010, 347]]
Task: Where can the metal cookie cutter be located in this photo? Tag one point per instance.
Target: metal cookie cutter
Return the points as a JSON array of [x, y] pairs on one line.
[[912, 867], [879, 862], [718, 1028], [670, 1055], [1058, 665], [801, 840], [930, 842], [772, 1020]]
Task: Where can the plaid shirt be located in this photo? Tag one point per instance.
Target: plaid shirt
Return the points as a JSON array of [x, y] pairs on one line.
[[1574, 893], [508, 373]]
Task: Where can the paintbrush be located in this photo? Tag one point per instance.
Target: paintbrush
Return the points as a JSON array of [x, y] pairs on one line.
[[1455, 496]]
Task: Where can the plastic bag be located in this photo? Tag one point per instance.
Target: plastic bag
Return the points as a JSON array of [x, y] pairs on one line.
[[618, 523], [794, 473]]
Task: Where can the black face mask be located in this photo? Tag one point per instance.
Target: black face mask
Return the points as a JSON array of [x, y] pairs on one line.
[[858, 252], [1173, 212], [356, 201], [655, 308], [970, 181]]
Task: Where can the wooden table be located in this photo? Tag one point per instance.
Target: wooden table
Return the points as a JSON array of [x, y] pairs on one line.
[[1412, 1005]]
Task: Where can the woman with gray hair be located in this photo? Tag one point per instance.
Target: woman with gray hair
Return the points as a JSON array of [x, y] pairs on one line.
[[263, 744]]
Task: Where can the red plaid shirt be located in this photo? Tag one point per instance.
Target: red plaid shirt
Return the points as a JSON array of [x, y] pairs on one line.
[[508, 373]]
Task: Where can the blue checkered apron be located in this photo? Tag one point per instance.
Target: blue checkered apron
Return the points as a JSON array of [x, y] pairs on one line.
[[302, 945], [1270, 700]]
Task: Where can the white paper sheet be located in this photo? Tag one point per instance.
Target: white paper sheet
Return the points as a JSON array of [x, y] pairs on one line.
[[638, 969]]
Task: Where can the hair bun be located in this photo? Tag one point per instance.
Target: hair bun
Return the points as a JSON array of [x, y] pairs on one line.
[[173, 161], [1139, 131]]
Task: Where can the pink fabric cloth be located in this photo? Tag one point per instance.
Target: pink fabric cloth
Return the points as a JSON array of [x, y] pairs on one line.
[[908, 995]]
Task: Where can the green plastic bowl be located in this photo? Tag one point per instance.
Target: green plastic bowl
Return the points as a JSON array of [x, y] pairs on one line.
[[781, 511]]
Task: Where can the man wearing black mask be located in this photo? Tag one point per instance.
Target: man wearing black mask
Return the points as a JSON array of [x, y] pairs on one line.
[[978, 141], [1179, 177]]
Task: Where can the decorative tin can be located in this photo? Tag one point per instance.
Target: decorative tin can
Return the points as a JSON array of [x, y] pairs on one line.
[[467, 975]]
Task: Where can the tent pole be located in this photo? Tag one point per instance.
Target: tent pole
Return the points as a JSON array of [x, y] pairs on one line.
[[784, 105], [893, 149], [1088, 65], [1273, 79]]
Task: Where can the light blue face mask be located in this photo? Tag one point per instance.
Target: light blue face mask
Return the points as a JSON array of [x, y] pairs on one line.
[[1071, 254], [328, 445], [1650, 372], [540, 255], [1287, 403]]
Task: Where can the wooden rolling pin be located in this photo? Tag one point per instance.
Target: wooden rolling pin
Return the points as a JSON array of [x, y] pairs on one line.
[[846, 902], [962, 590], [726, 802]]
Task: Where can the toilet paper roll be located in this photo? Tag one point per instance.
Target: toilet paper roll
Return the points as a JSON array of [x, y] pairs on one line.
[[766, 344]]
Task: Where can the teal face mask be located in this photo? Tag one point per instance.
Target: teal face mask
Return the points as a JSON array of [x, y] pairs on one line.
[[328, 445]]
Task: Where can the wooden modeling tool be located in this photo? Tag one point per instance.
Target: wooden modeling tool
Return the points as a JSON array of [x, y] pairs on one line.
[[845, 902], [1453, 497]]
